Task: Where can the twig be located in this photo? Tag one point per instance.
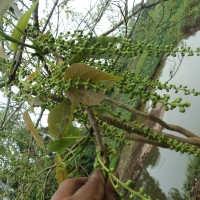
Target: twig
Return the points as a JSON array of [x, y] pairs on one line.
[[139, 138], [57, 23], [17, 62], [41, 172], [22, 2], [6, 111], [89, 12], [100, 15], [12, 114], [130, 34], [39, 118], [100, 145], [50, 15], [125, 17], [45, 182], [173, 74], [47, 168], [130, 16], [35, 17], [151, 117], [133, 27], [135, 133]]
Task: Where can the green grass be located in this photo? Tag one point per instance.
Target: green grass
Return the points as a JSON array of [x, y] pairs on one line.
[[192, 181], [166, 24]]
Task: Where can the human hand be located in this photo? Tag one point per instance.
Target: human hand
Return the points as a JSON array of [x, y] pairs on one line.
[[92, 188]]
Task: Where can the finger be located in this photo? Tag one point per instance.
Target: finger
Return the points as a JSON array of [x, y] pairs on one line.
[[110, 193], [68, 188], [94, 187]]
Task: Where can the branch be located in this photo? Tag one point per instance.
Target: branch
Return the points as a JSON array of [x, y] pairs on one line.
[[135, 133], [17, 62], [35, 17], [12, 114], [45, 183], [57, 23], [98, 18], [143, 6], [121, 125], [50, 15], [100, 146], [139, 138], [133, 27], [40, 117], [172, 74], [131, 31], [41, 172], [151, 117], [163, 144], [6, 111], [88, 12], [125, 16]]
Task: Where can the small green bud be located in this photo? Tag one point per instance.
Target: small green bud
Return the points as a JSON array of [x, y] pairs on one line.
[[112, 169], [166, 108], [129, 182], [182, 110], [141, 190], [187, 104], [116, 187], [178, 100], [131, 196]]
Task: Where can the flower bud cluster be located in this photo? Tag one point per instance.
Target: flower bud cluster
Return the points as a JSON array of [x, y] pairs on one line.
[[173, 143], [138, 87]]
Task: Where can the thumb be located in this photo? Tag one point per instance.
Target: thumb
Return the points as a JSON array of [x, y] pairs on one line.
[[94, 187]]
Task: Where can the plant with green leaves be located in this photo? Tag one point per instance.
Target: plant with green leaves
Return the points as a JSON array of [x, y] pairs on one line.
[[82, 81]]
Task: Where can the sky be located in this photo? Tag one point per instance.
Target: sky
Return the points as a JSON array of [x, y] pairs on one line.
[[83, 6]]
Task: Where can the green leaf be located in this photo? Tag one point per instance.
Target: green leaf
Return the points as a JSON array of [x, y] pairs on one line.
[[5, 4], [72, 131], [30, 126], [34, 101], [86, 97], [103, 111], [72, 135], [44, 36], [58, 118], [61, 172], [21, 26], [61, 145], [85, 72]]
